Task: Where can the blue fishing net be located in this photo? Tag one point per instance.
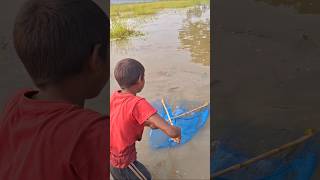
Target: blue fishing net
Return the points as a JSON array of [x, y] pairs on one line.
[[190, 125], [298, 163]]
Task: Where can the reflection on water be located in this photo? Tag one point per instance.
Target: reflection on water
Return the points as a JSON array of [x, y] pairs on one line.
[[121, 46], [302, 6], [195, 34]]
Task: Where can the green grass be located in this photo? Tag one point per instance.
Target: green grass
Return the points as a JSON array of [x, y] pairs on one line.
[[150, 8], [121, 30], [120, 12]]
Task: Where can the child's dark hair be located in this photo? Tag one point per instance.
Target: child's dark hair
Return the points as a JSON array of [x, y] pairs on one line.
[[54, 38], [127, 72]]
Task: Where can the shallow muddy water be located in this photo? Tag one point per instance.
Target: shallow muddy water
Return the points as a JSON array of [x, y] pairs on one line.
[[175, 53], [266, 72]]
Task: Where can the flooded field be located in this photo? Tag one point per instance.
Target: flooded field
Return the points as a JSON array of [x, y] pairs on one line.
[[266, 88], [175, 53], [129, 1]]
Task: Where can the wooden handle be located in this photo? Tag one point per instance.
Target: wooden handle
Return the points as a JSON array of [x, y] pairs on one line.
[[165, 108], [195, 109]]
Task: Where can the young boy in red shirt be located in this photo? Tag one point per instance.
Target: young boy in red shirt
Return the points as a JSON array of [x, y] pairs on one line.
[[128, 116], [47, 134]]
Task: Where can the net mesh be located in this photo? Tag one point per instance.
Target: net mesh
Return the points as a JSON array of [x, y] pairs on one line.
[[299, 163], [189, 124]]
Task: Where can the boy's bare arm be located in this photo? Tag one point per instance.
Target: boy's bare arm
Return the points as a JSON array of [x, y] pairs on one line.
[[156, 122]]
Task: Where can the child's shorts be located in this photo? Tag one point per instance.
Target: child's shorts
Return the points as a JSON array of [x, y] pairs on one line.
[[135, 171]]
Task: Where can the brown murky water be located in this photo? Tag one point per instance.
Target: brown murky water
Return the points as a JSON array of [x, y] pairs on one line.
[[175, 53], [266, 72]]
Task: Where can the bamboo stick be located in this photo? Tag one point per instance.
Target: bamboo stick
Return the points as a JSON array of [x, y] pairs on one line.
[[169, 118], [165, 108], [307, 135], [193, 110]]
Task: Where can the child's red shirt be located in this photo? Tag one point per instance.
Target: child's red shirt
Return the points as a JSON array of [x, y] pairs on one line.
[[127, 116], [52, 140]]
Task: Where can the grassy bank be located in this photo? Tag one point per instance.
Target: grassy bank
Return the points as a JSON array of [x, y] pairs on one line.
[[150, 8], [120, 12]]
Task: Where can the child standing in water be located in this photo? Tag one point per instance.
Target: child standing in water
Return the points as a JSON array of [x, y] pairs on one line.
[[129, 114]]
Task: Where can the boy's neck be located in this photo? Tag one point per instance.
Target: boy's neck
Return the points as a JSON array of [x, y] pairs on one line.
[[131, 91], [56, 95], [69, 92]]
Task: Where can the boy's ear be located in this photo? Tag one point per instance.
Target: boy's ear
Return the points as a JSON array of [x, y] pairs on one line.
[[139, 80], [95, 60]]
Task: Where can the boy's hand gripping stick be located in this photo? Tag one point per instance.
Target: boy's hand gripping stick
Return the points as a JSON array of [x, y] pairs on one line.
[[177, 140]]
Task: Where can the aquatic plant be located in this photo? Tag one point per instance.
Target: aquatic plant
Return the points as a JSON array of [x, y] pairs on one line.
[[120, 29]]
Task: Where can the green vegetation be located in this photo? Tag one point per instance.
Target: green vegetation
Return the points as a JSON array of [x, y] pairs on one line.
[[119, 12], [150, 8], [121, 30]]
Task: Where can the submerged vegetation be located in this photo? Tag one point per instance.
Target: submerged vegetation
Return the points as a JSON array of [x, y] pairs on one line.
[[120, 28]]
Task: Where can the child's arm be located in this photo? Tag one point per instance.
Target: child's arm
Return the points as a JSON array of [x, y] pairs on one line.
[[156, 122]]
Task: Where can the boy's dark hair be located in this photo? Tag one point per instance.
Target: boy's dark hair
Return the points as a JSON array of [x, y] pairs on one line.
[[127, 72], [54, 38]]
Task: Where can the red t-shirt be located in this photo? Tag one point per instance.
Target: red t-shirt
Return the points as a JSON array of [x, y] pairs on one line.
[[52, 140], [127, 115]]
